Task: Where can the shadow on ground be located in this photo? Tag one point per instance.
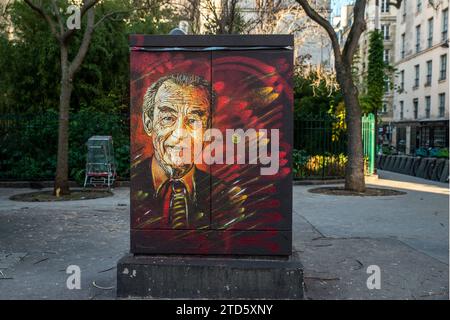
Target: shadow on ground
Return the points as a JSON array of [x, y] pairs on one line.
[[337, 238]]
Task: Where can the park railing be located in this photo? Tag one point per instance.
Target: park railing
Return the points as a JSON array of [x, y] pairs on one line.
[[28, 143], [320, 146], [320, 143]]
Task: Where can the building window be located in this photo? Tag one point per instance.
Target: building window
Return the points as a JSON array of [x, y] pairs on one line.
[[401, 139], [429, 72], [427, 107], [386, 56], [440, 136], [403, 46], [443, 70], [401, 110], [384, 6], [384, 108], [419, 5], [418, 38], [416, 108], [387, 86], [402, 80], [430, 32], [441, 105], [444, 24], [385, 31], [417, 76], [424, 137]]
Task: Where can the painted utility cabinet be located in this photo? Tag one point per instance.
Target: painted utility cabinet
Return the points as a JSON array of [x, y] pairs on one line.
[[211, 144]]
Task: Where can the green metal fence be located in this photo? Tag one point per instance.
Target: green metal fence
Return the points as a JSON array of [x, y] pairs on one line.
[[28, 144], [320, 146], [368, 137]]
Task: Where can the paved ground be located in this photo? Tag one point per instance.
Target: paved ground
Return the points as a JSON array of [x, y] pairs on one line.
[[40, 240], [338, 238], [406, 236]]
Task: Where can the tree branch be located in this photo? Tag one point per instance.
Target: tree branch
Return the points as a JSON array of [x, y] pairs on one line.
[[58, 17], [111, 14], [5, 7], [76, 63], [118, 12], [212, 8], [358, 27], [314, 15], [46, 17], [87, 4]]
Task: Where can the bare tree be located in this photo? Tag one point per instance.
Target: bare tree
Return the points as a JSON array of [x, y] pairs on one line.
[[253, 17], [354, 175], [68, 70], [287, 16], [189, 10], [267, 15], [51, 13], [224, 18]]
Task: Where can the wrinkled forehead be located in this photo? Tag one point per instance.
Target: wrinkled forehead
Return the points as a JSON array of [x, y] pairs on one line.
[[182, 96]]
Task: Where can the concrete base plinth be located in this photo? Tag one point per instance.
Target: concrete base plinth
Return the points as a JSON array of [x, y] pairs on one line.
[[197, 277]]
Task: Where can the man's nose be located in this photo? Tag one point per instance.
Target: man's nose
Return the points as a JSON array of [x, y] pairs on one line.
[[180, 129]]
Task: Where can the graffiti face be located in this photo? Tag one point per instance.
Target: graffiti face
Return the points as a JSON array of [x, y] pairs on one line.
[[211, 152], [180, 116]]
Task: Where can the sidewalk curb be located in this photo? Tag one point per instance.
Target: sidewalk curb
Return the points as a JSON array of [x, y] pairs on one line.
[[49, 184], [126, 183], [316, 182]]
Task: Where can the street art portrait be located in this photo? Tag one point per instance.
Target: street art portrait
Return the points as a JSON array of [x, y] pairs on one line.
[[210, 152], [176, 109]]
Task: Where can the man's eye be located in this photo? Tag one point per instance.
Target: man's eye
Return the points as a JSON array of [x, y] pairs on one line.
[[195, 122], [168, 119]]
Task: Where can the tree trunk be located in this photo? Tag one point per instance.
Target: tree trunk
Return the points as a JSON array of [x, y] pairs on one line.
[[354, 173], [61, 186]]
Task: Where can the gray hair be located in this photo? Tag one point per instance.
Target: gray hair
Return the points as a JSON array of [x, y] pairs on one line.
[[180, 79]]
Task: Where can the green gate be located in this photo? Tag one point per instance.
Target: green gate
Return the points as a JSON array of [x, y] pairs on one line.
[[368, 137]]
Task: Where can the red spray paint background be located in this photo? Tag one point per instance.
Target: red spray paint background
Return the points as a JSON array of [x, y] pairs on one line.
[[252, 90]]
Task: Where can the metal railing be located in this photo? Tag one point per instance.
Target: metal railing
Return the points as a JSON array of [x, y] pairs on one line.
[[368, 137], [320, 146], [28, 144]]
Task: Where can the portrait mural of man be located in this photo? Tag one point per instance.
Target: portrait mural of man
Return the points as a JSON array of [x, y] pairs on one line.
[[177, 111], [182, 205]]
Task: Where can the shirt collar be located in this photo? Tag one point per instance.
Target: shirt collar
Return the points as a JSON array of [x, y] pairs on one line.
[[160, 178]]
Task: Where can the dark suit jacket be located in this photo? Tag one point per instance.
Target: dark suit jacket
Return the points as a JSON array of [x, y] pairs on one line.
[[215, 205]]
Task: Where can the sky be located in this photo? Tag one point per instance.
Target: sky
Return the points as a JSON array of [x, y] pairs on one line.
[[337, 4]]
